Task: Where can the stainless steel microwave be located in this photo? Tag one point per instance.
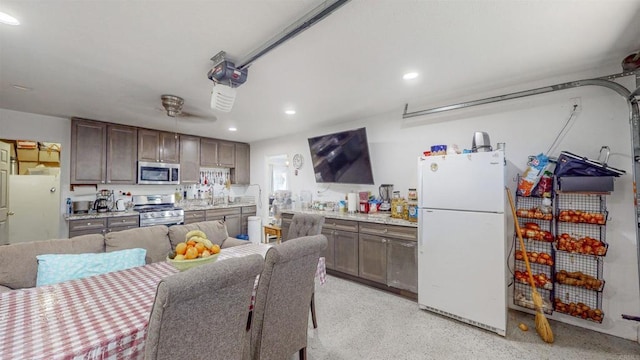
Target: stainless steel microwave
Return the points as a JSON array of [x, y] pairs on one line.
[[156, 173]]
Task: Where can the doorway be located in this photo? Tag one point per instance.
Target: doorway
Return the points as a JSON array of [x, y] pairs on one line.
[[33, 193]]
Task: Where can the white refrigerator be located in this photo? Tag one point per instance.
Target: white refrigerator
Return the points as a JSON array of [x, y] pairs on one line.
[[462, 238]]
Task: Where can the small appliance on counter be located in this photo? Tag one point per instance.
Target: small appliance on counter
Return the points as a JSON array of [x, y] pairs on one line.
[[81, 207], [385, 194], [104, 201]]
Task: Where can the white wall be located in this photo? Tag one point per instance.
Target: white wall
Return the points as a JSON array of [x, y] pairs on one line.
[[528, 126], [25, 126]]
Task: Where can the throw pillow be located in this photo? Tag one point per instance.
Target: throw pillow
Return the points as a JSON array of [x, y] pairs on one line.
[[55, 268]]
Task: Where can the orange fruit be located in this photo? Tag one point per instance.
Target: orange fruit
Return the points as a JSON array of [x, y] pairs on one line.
[[191, 253], [206, 253], [200, 247], [181, 248], [191, 242], [215, 249]]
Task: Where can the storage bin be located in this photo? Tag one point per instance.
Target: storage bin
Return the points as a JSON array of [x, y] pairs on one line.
[[585, 183]]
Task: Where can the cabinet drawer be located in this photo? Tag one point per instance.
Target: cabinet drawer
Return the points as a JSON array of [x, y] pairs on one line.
[[213, 213], [394, 231], [249, 210], [87, 225], [123, 221], [194, 216], [344, 225]]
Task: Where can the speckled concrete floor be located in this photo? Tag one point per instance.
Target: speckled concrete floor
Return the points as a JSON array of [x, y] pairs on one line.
[[359, 322]]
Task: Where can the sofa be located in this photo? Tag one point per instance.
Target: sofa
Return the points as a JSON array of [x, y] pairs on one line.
[[19, 267]]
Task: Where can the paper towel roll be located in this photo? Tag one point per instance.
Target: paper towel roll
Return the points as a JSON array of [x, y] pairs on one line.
[[352, 202]]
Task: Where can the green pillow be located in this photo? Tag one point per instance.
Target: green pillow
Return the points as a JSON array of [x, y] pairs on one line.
[[55, 268]]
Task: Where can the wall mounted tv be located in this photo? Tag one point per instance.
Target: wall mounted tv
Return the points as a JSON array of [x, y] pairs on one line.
[[342, 157]]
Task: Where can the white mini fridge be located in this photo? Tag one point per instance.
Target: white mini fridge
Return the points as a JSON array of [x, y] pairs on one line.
[[462, 238]]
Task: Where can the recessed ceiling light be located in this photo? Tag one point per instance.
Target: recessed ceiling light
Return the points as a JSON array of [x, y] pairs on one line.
[[409, 76], [233, 129], [290, 112], [20, 87], [8, 19]]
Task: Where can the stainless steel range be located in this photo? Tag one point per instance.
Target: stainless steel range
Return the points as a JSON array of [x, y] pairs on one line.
[[157, 210]]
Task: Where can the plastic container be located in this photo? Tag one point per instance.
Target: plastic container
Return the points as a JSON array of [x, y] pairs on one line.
[[254, 225], [439, 150]]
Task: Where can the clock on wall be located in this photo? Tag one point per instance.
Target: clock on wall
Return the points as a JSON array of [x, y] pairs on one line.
[[297, 162]]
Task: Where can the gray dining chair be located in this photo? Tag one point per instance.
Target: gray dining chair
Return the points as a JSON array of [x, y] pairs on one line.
[[306, 225], [202, 313], [280, 313]]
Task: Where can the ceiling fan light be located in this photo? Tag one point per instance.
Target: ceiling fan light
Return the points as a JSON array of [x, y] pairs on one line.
[[222, 97]]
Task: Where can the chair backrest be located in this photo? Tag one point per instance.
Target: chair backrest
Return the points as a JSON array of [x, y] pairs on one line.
[[305, 225], [203, 312], [281, 311]]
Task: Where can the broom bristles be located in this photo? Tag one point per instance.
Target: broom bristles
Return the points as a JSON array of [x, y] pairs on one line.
[[542, 324]]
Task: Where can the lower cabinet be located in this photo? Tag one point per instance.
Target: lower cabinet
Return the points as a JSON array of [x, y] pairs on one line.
[[194, 216], [122, 223], [102, 225], [344, 236], [373, 258], [402, 264], [230, 216]]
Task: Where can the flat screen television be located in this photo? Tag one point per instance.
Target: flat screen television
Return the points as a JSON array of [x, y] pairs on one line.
[[342, 157]]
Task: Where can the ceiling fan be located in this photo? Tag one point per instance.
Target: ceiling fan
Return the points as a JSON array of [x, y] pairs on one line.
[[173, 105]]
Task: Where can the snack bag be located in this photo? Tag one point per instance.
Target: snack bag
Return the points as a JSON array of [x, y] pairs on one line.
[[532, 175], [545, 185]]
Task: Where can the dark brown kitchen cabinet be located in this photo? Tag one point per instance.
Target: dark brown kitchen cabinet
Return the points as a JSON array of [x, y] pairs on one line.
[[102, 153], [240, 172], [88, 152], [122, 147], [216, 153], [158, 146], [372, 252], [402, 265], [329, 252], [230, 216], [189, 159], [345, 244], [388, 255], [87, 226]]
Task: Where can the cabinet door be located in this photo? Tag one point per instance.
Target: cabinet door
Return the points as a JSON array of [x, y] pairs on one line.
[[148, 145], [233, 224], [169, 147], [329, 253], [241, 169], [246, 212], [122, 147], [87, 226], [402, 265], [226, 154], [88, 152], [208, 152], [189, 159], [373, 258], [346, 252]]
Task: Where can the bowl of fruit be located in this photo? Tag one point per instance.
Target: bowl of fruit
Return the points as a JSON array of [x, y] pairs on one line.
[[196, 250]]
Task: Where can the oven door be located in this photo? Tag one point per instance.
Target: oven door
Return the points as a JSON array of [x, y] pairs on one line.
[[151, 173], [168, 221]]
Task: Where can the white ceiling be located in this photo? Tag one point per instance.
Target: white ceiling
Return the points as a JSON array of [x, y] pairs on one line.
[[111, 60]]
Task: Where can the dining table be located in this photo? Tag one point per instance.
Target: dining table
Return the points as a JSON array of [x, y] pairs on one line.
[[98, 317]]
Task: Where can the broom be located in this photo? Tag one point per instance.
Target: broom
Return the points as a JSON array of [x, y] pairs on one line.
[[542, 324]]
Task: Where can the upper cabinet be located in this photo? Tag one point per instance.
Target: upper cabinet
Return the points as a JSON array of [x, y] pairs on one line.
[[189, 159], [102, 153], [158, 146], [240, 172], [216, 153]]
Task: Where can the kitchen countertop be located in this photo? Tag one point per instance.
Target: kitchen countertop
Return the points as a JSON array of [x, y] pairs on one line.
[[185, 207], [379, 218]]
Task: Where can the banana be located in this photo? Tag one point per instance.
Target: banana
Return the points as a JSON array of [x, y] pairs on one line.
[[193, 233], [206, 242]]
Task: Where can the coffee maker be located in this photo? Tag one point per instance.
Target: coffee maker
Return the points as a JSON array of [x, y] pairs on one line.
[[385, 194], [104, 201]]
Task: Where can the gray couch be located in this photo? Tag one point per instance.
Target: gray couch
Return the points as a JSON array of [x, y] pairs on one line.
[[19, 267]]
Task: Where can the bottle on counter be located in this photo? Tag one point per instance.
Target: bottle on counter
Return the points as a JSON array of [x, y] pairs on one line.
[[69, 207]]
